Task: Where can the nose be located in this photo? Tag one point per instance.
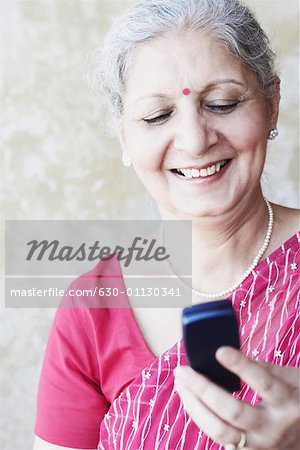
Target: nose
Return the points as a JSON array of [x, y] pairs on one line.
[[194, 134]]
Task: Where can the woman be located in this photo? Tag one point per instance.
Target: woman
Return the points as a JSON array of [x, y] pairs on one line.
[[195, 99]]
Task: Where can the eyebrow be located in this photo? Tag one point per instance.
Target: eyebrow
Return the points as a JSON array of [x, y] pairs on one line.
[[209, 86]]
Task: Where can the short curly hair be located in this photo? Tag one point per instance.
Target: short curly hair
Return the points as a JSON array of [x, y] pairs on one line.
[[229, 21]]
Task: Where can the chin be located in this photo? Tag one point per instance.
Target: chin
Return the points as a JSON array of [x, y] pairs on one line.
[[188, 213], [202, 209]]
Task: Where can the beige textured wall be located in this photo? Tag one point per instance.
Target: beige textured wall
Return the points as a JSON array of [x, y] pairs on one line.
[[56, 162]]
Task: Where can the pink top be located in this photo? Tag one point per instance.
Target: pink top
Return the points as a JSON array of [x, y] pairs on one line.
[[97, 364]]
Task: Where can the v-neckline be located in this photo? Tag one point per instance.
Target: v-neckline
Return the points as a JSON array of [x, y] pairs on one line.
[[275, 254]]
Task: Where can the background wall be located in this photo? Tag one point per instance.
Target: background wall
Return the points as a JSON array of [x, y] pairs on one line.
[[57, 163]]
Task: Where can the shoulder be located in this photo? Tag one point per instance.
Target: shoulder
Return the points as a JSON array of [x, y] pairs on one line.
[[290, 214], [93, 289], [286, 224]]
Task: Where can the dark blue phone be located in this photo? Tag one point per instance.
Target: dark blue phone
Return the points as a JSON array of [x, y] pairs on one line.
[[206, 327]]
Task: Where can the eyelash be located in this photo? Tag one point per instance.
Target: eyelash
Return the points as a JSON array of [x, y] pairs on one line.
[[222, 108], [213, 108], [158, 119]]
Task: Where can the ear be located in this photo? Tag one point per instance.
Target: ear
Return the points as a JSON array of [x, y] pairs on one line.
[[274, 104], [122, 140]]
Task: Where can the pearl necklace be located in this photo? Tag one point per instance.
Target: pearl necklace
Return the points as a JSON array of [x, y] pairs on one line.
[[215, 295]]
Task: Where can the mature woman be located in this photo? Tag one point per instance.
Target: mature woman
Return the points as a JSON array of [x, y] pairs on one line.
[[195, 98]]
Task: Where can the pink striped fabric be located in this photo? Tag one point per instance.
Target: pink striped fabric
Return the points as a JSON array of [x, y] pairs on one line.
[[148, 413]]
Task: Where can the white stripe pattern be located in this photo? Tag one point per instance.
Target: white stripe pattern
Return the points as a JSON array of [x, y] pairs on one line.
[[150, 415]]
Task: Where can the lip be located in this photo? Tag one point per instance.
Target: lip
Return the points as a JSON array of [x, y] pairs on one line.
[[204, 180], [204, 166]]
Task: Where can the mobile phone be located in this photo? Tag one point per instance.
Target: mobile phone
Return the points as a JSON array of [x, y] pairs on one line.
[[206, 327]]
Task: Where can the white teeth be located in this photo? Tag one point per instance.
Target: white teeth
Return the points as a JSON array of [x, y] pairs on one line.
[[196, 173]]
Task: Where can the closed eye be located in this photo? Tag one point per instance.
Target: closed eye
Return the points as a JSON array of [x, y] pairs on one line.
[[213, 108], [158, 119], [222, 108]]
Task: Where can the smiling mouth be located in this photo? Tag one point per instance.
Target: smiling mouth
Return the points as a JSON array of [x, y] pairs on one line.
[[201, 173]]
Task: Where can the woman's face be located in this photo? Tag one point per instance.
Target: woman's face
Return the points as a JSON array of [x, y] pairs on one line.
[[173, 135]]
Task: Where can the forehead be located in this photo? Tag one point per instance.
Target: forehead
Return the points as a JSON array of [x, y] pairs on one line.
[[182, 59]]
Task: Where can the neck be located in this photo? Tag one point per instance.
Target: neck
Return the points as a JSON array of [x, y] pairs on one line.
[[224, 246]]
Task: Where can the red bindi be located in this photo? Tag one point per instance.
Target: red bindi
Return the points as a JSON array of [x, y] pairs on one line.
[[186, 91]]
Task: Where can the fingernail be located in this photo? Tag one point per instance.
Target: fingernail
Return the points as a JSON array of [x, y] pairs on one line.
[[182, 373], [226, 355], [177, 385]]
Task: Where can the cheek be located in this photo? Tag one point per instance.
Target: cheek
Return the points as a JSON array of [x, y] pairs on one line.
[[147, 148], [247, 133]]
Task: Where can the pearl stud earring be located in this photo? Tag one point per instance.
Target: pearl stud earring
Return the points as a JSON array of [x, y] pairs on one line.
[[273, 134], [126, 160]]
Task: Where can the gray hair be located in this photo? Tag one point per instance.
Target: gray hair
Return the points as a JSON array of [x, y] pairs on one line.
[[229, 21]]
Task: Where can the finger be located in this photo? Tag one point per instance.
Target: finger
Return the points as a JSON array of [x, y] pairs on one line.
[[258, 376], [288, 374], [220, 402], [205, 419]]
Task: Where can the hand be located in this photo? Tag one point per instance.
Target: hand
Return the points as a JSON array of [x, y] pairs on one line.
[[274, 424]]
